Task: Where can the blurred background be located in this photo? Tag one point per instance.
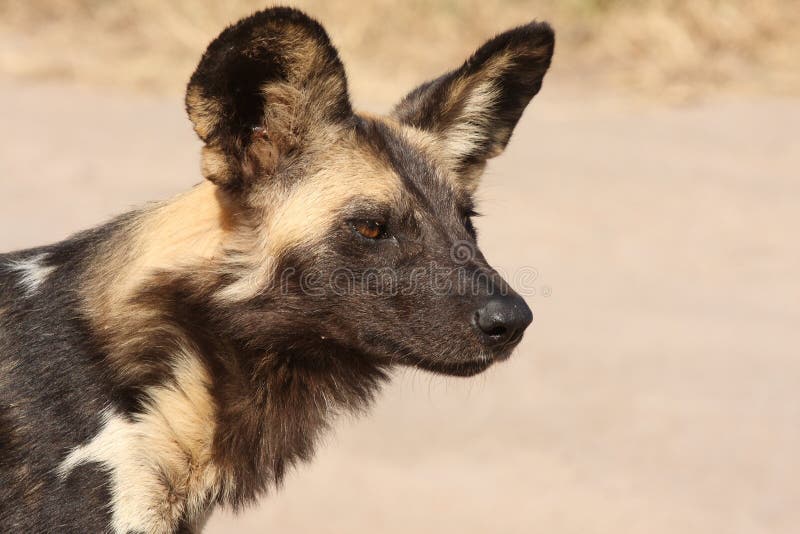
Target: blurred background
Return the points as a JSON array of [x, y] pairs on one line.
[[651, 196], [675, 49]]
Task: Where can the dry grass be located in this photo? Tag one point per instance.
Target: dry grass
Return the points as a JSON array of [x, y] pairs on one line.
[[672, 48]]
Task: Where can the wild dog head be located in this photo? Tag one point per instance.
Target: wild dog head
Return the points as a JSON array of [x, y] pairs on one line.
[[351, 231]]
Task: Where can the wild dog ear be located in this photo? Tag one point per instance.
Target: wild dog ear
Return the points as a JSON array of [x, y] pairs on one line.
[[474, 109], [258, 89]]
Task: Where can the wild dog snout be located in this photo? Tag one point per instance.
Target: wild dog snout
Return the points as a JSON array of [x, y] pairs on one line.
[[502, 320]]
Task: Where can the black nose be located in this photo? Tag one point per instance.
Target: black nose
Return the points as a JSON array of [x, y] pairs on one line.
[[503, 319]]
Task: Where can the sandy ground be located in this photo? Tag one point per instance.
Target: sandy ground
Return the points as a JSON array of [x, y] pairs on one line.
[[659, 388]]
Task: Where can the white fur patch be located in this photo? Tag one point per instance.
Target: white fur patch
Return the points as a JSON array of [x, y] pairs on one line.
[[31, 272], [130, 475], [158, 462]]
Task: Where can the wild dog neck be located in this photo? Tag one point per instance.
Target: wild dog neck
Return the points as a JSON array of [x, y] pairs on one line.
[[275, 387], [229, 392]]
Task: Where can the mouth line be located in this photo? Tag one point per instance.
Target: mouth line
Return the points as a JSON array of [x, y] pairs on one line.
[[452, 368], [504, 349], [405, 356], [504, 352]]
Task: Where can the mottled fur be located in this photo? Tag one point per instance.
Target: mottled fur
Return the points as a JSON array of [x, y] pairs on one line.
[[176, 359]]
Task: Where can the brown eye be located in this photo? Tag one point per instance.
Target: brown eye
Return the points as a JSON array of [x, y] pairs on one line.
[[370, 229]]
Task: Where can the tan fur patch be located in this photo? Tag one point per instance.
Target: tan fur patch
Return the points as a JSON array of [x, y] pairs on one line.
[[214, 165], [160, 463], [306, 212], [204, 112], [178, 234], [186, 234]]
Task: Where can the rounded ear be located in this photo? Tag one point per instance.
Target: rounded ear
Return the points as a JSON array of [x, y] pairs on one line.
[[473, 110], [259, 87]]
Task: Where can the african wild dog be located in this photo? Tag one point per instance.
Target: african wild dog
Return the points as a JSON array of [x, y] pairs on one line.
[[177, 358]]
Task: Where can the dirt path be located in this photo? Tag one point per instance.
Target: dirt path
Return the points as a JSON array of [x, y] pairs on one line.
[[659, 389]]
